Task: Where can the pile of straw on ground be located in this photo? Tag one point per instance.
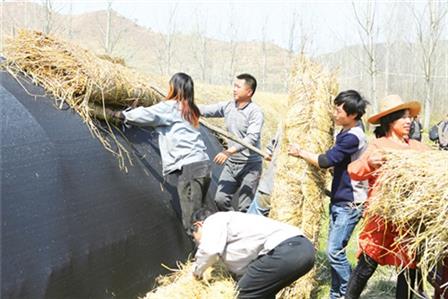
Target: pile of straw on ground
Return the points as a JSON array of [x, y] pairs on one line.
[[413, 195], [79, 78], [298, 196], [181, 284]]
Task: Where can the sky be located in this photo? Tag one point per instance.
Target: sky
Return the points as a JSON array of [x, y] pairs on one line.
[[329, 25]]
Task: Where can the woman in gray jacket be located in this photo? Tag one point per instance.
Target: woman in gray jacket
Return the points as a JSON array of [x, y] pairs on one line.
[[182, 148]]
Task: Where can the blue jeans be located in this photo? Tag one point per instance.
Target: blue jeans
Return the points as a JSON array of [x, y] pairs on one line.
[[256, 208], [343, 220]]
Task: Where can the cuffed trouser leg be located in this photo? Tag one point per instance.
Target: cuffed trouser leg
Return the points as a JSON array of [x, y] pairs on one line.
[[360, 275], [270, 273]]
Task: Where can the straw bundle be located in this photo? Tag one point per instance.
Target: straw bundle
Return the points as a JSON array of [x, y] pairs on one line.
[[181, 284], [298, 197], [412, 193], [79, 78]]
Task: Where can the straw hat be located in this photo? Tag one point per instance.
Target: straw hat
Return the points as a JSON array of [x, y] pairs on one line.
[[392, 103]]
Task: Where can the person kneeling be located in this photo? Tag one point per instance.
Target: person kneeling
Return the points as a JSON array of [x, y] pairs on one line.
[[265, 255]]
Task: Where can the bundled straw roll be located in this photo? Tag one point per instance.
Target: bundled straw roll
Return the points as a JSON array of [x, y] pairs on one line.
[[412, 194], [298, 196], [72, 73], [80, 79]]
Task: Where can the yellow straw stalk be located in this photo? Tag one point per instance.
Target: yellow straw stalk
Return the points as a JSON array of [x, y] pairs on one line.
[[298, 196], [412, 194]]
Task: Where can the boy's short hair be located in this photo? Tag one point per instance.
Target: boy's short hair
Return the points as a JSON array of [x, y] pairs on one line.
[[250, 81], [353, 103]]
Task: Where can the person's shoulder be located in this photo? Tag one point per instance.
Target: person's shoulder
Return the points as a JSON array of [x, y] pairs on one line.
[[349, 137], [219, 215], [255, 106], [255, 109], [167, 103], [418, 145], [358, 132]]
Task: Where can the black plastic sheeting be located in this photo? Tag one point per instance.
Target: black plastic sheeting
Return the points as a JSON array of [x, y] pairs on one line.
[[73, 224]]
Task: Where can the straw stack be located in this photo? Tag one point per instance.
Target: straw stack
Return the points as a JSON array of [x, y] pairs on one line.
[[79, 78], [181, 284], [298, 196], [412, 194]]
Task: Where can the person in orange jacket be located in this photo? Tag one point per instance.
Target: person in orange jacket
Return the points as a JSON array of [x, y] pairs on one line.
[[377, 239]]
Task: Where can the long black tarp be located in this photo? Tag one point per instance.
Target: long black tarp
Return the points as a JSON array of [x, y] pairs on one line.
[[73, 224]]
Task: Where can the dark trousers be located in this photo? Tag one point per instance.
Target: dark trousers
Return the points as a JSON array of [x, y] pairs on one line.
[[364, 270], [193, 181], [238, 176], [280, 267]]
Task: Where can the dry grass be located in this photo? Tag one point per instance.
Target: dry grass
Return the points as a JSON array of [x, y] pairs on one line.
[[79, 78], [181, 284], [298, 196], [412, 193]]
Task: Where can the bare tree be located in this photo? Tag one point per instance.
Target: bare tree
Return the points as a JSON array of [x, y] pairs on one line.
[[292, 34], [110, 34], [367, 33], [264, 52], [169, 38], [201, 46], [233, 44], [49, 16], [429, 28], [390, 23], [107, 39], [165, 46], [70, 22]]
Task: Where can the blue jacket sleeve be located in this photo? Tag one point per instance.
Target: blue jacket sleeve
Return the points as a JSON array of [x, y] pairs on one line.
[[346, 145]]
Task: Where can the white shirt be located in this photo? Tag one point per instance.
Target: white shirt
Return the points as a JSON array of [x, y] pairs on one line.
[[239, 238]]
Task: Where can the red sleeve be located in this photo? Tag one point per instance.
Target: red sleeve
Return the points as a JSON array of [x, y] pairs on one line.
[[359, 170]]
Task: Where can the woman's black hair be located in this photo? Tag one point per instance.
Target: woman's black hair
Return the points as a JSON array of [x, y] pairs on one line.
[[385, 122], [182, 89]]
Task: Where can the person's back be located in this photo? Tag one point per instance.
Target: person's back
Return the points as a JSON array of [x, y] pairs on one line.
[[265, 255], [443, 135], [185, 161], [180, 143], [416, 130], [258, 238], [439, 134]]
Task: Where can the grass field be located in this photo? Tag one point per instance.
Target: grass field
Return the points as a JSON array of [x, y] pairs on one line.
[[381, 285]]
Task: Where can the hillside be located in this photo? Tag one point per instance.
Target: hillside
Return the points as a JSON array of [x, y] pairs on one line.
[[147, 50], [210, 61]]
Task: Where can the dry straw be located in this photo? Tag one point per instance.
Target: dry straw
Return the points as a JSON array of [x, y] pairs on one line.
[[298, 196], [79, 78], [181, 284], [412, 194]]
